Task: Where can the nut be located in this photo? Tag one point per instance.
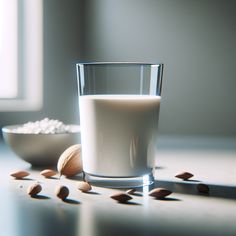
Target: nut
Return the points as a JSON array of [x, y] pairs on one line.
[[62, 192], [159, 193], [131, 191], [203, 188], [121, 197], [48, 173], [184, 175], [70, 161], [34, 189], [84, 186], [19, 174]]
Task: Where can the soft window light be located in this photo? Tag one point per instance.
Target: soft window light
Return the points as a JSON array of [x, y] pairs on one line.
[[20, 55], [8, 49]]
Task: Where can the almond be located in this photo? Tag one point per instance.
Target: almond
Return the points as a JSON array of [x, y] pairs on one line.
[[84, 186], [34, 189], [19, 174], [121, 197], [159, 193], [62, 192], [203, 188], [70, 161], [48, 173], [131, 191], [184, 175]]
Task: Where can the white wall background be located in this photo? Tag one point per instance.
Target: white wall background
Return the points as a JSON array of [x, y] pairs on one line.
[[194, 39]]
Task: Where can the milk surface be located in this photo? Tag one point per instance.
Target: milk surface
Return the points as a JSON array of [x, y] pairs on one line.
[[118, 134]]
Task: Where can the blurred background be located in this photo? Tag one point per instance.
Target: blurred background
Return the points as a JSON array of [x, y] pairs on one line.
[[194, 39]]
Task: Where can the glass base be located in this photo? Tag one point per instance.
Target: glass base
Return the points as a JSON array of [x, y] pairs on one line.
[[122, 182]]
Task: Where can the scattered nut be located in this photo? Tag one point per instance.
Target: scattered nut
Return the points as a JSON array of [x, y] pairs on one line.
[[61, 192], [203, 188], [48, 173], [121, 197], [84, 186], [159, 193], [70, 161], [184, 175], [34, 189], [131, 191], [19, 174]]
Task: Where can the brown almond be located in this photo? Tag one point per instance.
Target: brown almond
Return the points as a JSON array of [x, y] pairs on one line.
[[203, 188], [34, 189], [62, 192], [159, 193], [121, 197], [19, 174], [48, 173], [184, 175], [84, 186], [131, 191]]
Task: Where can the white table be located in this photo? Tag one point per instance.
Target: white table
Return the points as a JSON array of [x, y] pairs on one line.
[[185, 212]]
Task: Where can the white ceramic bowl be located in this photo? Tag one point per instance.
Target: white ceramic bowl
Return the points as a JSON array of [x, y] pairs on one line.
[[40, 149]]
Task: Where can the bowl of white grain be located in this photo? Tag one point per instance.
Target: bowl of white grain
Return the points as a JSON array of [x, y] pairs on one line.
[[41, 143]]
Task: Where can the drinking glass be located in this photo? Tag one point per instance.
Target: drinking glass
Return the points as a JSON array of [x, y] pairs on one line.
[[119, 109]]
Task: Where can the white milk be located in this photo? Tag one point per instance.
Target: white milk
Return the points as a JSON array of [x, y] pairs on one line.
[[118, 134]]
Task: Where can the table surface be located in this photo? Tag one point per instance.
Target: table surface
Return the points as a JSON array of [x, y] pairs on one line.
[[184, 212]]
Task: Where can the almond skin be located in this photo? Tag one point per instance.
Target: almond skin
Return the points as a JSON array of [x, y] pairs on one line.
[[159, 193], [203, 188], [84, 186], [48, 173], [70, 161], [121, 197], [19, 174], [34, 189], [62, 192], [184, 175]]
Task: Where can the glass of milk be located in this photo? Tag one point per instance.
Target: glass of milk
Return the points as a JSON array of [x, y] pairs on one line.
[[119, 108]]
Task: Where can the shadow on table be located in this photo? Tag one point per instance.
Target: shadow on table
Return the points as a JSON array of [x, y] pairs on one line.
[[190, 187]]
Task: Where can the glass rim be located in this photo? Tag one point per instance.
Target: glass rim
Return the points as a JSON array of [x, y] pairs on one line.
[[120, 63]]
